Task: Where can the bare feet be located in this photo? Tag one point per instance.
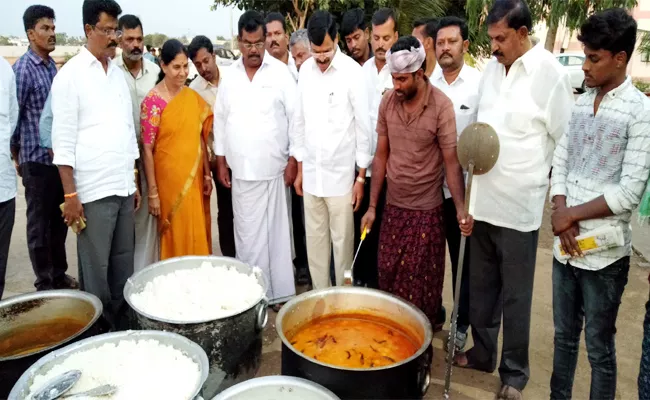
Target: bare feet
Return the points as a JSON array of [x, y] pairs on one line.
[[509, 393]]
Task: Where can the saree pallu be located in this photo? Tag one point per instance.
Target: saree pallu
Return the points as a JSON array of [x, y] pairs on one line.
[[185, 223], [411, 261]]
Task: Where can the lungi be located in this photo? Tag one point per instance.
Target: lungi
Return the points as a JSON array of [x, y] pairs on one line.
[[262, 235], [412, 256]]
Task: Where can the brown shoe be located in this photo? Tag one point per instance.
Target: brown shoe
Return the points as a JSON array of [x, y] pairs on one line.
[[67, 282], [509, 393]]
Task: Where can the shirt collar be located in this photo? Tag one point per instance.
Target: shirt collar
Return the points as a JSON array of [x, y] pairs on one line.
[[205, 84], [35, 58], [438, 75], [616, 91], [146, 66], [335, 63], [240, 62], [90, 59], [530, 58]]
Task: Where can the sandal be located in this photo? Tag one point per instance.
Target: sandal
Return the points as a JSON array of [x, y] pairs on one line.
[[461, 360]]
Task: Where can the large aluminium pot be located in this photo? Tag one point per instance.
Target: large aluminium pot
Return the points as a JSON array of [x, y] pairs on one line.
[[233, 343], [408, 379], [277, 387], [28, 312], [191, 350]]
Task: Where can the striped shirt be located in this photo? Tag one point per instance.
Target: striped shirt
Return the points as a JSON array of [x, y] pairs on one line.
[[33, 80], [605, 155]]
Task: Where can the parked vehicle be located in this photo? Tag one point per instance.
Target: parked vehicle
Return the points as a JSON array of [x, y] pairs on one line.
[[224, 56], [573, 63]]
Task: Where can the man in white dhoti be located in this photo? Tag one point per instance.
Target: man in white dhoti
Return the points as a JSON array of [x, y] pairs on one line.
[[251, 126]]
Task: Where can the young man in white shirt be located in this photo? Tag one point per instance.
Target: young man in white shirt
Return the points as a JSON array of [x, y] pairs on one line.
[[277, 41], [94, 144], [526, 96], [460, 83], [379, 80], [8, 122], [356, 34], [207, 84], [600, 169], [332, 135], [141, 76], [425, 29], [252, 114]]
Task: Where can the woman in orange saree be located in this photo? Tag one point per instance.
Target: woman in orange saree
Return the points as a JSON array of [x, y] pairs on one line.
[[175, 123]]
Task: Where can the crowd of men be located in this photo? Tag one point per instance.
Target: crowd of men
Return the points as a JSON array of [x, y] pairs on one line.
[[311, 147]]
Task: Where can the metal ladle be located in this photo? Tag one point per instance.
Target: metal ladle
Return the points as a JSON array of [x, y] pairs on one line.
[[58, 386], [478, 152]]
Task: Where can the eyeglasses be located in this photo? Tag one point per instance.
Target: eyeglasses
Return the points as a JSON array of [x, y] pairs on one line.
[[323, 54], [108, 31], [249, 46]]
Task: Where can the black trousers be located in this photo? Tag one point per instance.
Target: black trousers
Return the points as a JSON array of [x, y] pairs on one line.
[[365, 267], [46, 231], [501, 283], [225, 217], [7, 217], [299, 240], [452, 232]]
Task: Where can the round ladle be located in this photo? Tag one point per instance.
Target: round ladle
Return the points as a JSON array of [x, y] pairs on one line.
[[478, 152], [59, 386]]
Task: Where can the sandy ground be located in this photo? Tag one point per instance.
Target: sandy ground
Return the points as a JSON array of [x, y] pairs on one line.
[[466, 384]]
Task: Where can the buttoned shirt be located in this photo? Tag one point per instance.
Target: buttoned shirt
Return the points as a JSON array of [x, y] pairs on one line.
[[139, 86], [33, 80], [378, 83], [529, 108], [291, 63], [607, 154], [332, 125], [8, 121], [208, 92], [463, 93], [93, 130], [45, 124], [252, 118]]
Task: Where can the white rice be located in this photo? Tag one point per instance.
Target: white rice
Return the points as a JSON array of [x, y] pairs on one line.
[[202, 293], [141, 369]]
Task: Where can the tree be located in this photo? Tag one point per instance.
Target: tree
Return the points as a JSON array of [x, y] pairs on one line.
[[61, 38], [220, 38], [4, 41], [155, 39]]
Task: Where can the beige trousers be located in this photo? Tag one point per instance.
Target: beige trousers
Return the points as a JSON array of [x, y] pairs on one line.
[[329, 222]]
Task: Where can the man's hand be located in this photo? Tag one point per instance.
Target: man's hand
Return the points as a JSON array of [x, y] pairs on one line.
[[561, 219], [569, 243], [17, 166], [222, 172], [297, 183], [207, 185], [357, 195], [138, 199], [290, 172], [465, 222], [73, 211], [368, 219]]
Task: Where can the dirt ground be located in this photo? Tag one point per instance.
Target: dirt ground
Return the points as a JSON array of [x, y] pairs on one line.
[[467, 384]]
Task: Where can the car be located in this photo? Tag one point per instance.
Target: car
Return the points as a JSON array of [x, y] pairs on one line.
[[224, 56], [573, 63]]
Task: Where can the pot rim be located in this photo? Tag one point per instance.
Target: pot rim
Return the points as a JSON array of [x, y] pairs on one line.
[[428, 330], [59, 293], [271, 381], [129, 289]]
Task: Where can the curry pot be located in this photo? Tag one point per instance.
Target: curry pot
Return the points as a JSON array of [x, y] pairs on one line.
[[407, 379], [28, 310]]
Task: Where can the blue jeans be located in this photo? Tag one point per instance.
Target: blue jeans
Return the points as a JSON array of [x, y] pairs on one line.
[[593, 297], [644, 371]]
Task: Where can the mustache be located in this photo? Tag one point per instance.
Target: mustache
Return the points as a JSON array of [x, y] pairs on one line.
[[112, 44], [274, 43], [497, 54], [136, 51]]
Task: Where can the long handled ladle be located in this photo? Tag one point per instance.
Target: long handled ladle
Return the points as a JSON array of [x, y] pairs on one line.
[[478, 151], [59, 386]]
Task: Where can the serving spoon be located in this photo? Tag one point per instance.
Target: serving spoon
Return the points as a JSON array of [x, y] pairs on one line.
[[58, 386]]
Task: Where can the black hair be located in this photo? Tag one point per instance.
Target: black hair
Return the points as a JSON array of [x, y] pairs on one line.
[[405, 43], [34, 13], [613, 30], [129, 21], [382, 16], [198, 43], [352, 20], [251, 21], [430, 26], [516, 13], [92, 9], [321, 24], [276, 16], [453, 21], [149, 47], [168, 52]]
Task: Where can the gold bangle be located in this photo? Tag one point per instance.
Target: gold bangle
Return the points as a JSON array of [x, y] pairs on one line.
[[360, 179], [70, 195], [155, 196]]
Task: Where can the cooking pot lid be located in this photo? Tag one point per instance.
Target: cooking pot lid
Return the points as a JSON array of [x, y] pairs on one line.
[[478, 144], [277, 388]]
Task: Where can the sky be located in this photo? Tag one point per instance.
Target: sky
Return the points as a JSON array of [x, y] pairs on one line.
[[171, 17]]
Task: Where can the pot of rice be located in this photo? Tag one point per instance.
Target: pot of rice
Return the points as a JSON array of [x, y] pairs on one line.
[[217, 302], [277, 387], [142, 364]]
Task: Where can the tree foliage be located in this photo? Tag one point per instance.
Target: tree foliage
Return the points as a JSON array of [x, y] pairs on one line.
[[155, 39], [4, 41]]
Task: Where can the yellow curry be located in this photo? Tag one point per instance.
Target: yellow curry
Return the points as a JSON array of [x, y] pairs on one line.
[[32, 338]]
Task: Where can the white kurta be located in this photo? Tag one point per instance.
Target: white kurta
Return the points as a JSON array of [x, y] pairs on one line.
[[262, 235]]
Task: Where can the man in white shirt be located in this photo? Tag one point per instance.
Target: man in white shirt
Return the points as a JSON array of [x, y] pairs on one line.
[[8, 122], [277, 41], [299, 47], [251, 124], [93, 138], [379, 80], [356, 34], [526, 96], [141, 76], [207, 84], [425, 29], [332, 134], [460, 83]]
